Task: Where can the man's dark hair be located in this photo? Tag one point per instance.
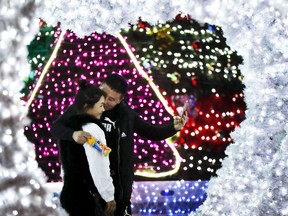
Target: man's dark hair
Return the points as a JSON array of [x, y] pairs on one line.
[[117, 83]]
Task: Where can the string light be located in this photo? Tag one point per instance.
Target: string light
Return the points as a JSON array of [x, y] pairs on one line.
[[45, 69]]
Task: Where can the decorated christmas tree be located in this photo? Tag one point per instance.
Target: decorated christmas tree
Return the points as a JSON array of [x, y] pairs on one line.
[[39, 52]]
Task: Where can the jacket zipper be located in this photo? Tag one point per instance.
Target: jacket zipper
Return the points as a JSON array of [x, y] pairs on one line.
[[118, 163]]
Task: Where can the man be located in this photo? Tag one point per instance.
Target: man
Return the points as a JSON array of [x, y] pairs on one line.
[[120, 122]]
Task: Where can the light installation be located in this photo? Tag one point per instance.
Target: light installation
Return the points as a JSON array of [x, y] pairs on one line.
[[183, 61]]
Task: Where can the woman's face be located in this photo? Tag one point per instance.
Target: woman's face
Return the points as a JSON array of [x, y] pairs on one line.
[[97, 109]]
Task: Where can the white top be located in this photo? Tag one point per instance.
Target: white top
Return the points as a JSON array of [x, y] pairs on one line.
[[99, 164]]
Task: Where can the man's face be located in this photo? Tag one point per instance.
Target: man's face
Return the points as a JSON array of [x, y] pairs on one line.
[[112, 99]]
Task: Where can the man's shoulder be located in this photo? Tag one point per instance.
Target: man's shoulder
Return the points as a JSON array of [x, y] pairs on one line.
[[126, 110], [124, 106], [121, 110]]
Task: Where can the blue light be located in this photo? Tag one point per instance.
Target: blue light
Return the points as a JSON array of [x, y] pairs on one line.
[[168, 197]]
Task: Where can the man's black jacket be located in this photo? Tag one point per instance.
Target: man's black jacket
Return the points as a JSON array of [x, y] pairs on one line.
[[128, 123]]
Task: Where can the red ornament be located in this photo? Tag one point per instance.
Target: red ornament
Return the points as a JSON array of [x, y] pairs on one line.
[[42, 23], [196, 45], [181, 17], [142, 24], [194, 81]]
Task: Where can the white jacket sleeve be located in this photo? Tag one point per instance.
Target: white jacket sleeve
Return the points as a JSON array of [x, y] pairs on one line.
[[99, 164]]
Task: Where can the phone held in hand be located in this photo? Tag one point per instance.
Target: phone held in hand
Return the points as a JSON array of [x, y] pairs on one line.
[[184, 108]]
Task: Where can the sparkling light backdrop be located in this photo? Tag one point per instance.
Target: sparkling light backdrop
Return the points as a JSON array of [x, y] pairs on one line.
[[253, 179], [21, 181]]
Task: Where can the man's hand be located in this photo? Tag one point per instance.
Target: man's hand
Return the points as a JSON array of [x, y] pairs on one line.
[[180, 121], [110, 207], [81, 137]]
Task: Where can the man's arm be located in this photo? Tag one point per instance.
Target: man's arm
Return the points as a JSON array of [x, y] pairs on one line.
[[153, 132], [60, 131]]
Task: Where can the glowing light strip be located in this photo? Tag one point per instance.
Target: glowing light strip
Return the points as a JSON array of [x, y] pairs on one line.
[[169, 110], [144, 74], [45, 69], [150, 174]]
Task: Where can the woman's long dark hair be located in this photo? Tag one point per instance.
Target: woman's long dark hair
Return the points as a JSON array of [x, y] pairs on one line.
[[87, 95]]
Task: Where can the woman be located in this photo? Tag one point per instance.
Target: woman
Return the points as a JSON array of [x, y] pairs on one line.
[[88, 188]]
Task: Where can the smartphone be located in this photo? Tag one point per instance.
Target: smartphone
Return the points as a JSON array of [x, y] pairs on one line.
[[184, 108]]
